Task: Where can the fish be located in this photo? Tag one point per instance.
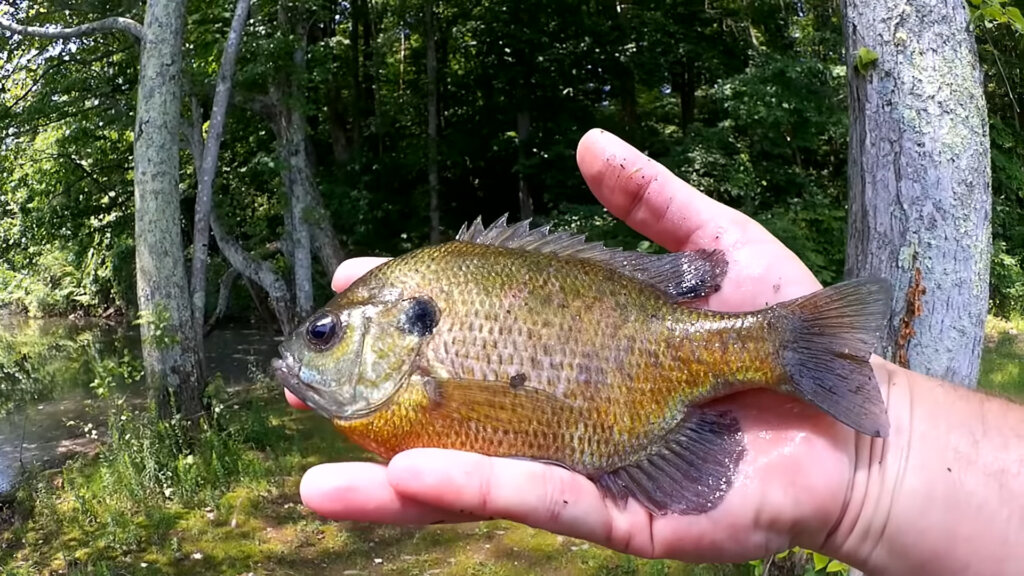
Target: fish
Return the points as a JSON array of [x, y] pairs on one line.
[[526, 343]]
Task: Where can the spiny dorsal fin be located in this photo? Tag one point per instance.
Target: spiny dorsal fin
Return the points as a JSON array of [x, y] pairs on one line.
[[681, 275]]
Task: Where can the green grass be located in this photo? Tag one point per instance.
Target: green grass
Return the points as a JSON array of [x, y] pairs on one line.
[[1002, 362], [230, 505]]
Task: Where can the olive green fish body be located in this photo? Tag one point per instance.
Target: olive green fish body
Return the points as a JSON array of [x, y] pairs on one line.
[[587, 359]]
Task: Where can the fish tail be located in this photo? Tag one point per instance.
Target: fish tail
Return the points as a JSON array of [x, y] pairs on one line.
[[828, 339]]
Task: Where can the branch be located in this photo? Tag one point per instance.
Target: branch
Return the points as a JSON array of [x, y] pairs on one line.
[[207, 165], [112, 24]]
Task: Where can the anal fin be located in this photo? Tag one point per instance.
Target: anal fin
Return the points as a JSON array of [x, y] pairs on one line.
[[690, 472]]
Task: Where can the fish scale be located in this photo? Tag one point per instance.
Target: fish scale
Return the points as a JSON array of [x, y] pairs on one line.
[[513, 342]]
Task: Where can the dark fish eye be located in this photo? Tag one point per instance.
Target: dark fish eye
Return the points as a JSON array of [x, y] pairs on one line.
[[321, 331], [420, 317]]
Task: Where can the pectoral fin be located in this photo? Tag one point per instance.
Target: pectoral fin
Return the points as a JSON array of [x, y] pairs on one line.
[[508, 404]]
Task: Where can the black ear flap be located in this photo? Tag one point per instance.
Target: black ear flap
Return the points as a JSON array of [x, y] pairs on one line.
[[420, 317]]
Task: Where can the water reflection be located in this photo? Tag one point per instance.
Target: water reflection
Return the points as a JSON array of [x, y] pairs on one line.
[[51, 370]]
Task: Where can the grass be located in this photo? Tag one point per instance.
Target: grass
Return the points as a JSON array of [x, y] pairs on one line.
[[145, 506], [1002, 362]]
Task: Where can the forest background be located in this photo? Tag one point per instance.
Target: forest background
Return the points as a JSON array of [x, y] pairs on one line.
[[745, 99], [393, 129]]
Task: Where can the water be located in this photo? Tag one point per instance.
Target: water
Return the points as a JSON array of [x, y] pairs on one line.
[[49, 407]]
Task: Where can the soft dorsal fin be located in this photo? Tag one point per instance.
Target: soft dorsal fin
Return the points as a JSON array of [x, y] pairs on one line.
[[680, 275]]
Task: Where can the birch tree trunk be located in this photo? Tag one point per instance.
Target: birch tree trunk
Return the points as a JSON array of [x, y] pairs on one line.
[[258, 271], [170, 356], [207, 169], [919, 178], [433, 177]]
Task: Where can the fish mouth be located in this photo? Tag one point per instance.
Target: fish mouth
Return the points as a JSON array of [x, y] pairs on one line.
[[288, 372]]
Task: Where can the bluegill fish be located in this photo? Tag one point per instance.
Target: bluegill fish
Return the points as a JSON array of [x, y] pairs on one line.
[[531, 344]]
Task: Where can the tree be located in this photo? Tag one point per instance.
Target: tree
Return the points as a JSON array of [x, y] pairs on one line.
[[205, 155], [919, 179], [170, 355], [433, 178], [171, 341]]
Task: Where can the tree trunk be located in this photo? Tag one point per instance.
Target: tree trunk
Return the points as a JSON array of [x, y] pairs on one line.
[[208, 168], [684, 84], [170, 357], [433, 177], [227, 281], [258, 271], [522, 138], [292, 149], [307, 219], [919, 179]]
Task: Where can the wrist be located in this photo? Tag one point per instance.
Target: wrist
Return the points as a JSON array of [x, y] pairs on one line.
[[878, 469], [941, 494]]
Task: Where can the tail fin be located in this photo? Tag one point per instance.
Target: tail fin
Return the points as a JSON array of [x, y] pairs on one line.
[[830, 335]]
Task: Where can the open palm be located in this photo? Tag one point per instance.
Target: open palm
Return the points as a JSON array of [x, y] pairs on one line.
[[791, 487]]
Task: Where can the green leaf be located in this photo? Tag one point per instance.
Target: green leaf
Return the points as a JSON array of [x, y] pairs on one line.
[[837, 566], [865, 59], [820, 561], [1013, 13]]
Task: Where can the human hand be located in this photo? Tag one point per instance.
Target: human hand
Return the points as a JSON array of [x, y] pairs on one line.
[[791, 487]]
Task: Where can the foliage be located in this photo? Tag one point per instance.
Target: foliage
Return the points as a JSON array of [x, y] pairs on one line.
[[1002, 368], [865, 59], [41, 360], [812, 563], [996, 12], [745, 100]]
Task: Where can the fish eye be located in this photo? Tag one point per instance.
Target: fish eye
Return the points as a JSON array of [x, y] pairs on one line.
[[322, 331], [420, 317]]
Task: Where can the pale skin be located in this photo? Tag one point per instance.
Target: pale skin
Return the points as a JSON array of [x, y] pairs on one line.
[[943, 494]]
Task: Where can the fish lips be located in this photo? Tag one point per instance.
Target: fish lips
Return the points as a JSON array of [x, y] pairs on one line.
[[288, 372]]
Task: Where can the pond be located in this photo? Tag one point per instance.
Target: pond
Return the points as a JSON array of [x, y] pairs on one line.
[[57, 375]]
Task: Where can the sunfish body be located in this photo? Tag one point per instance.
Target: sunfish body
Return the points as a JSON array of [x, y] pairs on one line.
[[524, 343]]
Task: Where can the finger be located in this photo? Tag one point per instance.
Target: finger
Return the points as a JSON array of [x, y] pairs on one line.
[[652, 200], [540, 495], [359, 491], [351, 269], [294, 401]]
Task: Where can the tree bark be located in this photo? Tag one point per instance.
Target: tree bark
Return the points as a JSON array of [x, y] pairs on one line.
[[307, 220], [100, 26], [291, 141], [170, 357], [684, 84], [433, 177], [258, 271], [227, 281], [919, 179], [522, 138], [208, 167]]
